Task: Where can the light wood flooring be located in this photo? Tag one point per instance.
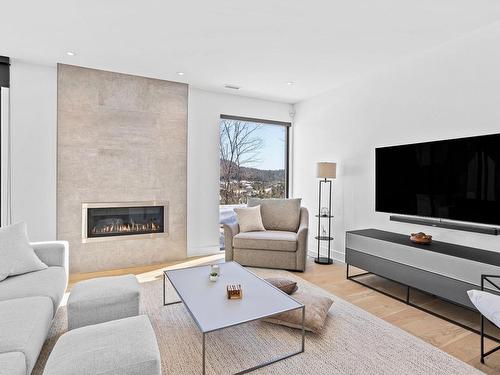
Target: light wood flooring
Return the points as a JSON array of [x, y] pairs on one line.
[[459, 342]]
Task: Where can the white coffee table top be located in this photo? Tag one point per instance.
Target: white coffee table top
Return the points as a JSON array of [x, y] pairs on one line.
[[208, 303]]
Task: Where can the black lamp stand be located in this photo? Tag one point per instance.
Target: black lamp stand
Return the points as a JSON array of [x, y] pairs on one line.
[[320, 237]]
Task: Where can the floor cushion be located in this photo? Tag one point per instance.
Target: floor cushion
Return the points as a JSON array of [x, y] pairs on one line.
[[285, 285], [268, 240], [24, 324], [120, 347], [50, 282], [316, 312], [103, 299]]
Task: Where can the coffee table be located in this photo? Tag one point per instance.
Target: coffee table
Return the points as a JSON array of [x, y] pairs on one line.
[[211, 310]]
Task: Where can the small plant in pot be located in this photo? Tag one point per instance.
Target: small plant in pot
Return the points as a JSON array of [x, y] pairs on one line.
[[214, 276]]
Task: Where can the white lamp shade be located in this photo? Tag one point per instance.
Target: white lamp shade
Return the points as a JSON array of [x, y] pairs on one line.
[[326, 170]]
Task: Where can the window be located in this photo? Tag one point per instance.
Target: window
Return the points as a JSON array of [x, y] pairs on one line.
[[253, 162]]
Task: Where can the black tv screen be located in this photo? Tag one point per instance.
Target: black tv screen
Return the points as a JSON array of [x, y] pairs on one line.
[[456, 179]]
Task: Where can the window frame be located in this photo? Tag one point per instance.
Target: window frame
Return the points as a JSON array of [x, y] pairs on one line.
[[287, 126]]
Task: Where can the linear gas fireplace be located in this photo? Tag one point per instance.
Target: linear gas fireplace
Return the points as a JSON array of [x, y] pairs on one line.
[[109, 221]]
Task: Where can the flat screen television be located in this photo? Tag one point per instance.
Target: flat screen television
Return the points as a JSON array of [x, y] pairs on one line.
[[455, 179]]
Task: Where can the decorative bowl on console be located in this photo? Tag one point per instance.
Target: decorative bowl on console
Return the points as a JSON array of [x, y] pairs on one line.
[[421, 238]]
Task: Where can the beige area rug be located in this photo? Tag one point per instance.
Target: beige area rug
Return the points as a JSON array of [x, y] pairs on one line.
[[352, 342]]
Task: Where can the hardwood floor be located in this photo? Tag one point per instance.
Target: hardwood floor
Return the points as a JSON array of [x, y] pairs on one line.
[[459, 342]]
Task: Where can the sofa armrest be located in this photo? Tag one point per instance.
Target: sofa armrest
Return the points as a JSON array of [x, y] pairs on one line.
[[53, 253], [230, 230], [302, 239]]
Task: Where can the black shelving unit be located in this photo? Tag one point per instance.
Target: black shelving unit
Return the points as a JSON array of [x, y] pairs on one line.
[[321, 238]]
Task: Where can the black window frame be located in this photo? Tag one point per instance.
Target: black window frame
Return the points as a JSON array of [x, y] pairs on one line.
[[287, 126]]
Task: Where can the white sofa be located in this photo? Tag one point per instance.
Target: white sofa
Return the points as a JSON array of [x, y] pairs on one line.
[[28, 303]]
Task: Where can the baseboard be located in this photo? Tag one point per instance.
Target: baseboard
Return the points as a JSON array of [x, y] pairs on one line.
[[203, 250], [337, 256]]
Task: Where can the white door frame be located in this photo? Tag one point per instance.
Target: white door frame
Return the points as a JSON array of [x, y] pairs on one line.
[[5, 159]]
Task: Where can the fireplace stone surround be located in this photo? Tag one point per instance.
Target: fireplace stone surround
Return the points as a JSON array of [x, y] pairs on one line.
[[120, 138]]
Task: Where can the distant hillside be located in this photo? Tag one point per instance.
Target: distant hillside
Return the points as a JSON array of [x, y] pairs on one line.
[[254, 174]]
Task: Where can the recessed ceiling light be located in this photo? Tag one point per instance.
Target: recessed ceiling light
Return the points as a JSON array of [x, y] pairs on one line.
[[70, 53], [180, 73], [232, 87], [289, 83]]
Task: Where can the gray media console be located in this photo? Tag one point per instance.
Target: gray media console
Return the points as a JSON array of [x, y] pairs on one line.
[[442, 269]]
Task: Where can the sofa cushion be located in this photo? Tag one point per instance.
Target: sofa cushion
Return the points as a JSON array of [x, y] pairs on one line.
[[249, 219], [12, 363], [278, 214], [268, 240], [16, 254], [120, 347], [50, 282], [24, 325]]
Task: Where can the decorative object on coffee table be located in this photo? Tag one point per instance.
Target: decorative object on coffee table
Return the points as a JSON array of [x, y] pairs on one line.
[[421, 238], [215, 268], [214, 276], [326, 172], [234, 291]]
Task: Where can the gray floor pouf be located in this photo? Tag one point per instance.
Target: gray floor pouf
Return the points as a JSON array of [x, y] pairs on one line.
[[120, 347], [103, 299]]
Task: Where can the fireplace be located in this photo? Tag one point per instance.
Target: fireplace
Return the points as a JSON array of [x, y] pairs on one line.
[[111, 221]]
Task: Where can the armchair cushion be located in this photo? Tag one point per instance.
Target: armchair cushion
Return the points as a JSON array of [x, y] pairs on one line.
[[267, 240], [488, 304], [278, 214], [249, 219]]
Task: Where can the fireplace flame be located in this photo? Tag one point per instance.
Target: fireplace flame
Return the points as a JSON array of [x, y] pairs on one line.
[[150, 227]]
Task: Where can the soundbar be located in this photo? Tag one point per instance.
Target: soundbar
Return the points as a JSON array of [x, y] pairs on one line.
[[494, 231]]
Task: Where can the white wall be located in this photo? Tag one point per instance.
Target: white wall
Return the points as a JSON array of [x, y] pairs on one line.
[[34, 131], [451, 91], [204, 112], [33, 96]]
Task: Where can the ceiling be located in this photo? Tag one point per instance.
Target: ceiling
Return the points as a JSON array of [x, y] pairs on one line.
[[259, 45]]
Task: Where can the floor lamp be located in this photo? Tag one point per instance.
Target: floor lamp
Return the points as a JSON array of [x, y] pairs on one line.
[[326, 172]]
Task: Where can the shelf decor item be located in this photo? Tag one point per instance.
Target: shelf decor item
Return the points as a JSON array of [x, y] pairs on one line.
[[234, 291], [326, 172], [421, 238]]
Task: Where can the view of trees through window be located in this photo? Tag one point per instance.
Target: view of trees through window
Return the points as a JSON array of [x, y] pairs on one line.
[[253, 159]]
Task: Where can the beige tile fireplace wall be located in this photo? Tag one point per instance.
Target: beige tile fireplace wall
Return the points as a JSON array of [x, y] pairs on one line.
[[120, 138]]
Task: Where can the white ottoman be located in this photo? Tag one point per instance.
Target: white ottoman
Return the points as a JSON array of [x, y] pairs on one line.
[[120, 347], [103, 299]]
